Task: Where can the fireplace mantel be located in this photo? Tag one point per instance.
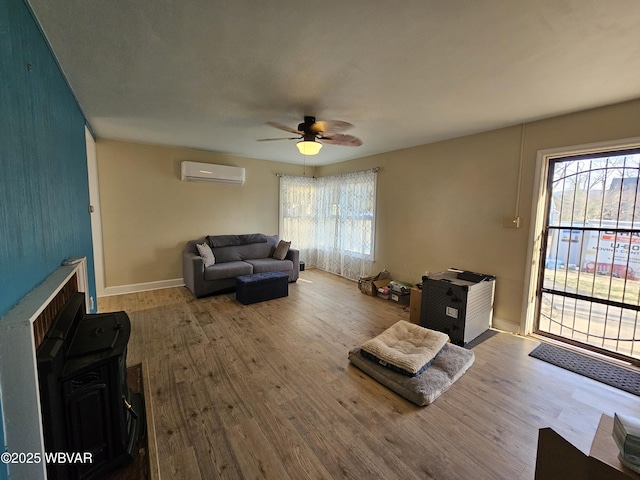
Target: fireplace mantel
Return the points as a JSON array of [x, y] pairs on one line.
[[19, 372]]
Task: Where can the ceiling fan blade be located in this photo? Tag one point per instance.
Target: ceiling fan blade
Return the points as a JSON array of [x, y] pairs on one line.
[[284, 127], [330, 127], [344, 140], [282, 138]]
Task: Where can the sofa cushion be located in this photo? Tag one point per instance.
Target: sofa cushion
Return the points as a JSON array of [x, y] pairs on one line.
[[281, 250], [235, 253], [227, 270], [207, 255], [261, 265], [241, 252], [217, 241]]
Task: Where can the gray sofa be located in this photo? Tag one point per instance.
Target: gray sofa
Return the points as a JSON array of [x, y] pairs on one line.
[[234, 255]]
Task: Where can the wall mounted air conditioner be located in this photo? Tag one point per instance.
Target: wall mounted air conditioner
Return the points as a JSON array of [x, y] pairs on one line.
[[207, 172]]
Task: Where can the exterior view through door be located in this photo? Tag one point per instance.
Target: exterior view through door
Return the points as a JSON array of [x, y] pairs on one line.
[[589, 284]]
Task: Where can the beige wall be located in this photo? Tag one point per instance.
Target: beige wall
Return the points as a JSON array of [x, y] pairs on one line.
[[439, 205], [148, 213]]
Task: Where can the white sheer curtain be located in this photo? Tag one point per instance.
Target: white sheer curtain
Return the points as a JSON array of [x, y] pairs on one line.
[[298, 218], [331, 220]]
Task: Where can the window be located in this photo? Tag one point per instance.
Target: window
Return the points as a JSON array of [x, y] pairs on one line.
[[331, 220]]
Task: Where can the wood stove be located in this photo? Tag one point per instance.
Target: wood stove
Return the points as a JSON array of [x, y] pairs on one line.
[[87, 406]]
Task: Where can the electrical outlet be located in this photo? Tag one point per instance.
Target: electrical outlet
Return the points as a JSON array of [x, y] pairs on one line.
[[511, 222]]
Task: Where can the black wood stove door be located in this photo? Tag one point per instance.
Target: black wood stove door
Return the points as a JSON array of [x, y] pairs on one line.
[[89, 404]]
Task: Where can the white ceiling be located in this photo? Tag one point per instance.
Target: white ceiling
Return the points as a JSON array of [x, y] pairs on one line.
[[208, 74]]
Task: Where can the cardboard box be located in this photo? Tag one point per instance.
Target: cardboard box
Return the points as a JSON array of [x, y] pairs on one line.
[[415, 303], [558, 459], [378, 284], [365, 284], [370, 286]]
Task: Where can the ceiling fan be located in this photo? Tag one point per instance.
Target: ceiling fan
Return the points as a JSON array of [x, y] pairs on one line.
[[313, 134]]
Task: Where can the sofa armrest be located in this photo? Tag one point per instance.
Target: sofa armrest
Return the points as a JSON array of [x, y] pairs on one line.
[[294, 256], [192, 271]]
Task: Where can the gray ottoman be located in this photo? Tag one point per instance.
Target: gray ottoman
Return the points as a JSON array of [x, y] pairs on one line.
[[261, 286]]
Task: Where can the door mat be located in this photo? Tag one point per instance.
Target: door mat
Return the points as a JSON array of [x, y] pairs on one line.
[[603, 372]]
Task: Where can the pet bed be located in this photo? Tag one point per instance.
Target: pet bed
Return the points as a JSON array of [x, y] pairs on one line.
[[449, 365], [405, 347]]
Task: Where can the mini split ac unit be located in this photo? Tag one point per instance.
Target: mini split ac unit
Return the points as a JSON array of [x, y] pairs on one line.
[[207, 172]]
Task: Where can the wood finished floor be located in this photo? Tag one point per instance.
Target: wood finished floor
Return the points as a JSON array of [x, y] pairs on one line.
[[266, 391]]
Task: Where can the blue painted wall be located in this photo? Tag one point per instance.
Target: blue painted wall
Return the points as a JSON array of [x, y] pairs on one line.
[[44, 192], [3, 468]]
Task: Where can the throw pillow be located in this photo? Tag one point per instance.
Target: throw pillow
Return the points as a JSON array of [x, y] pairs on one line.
[[206, 253], [281, 250]]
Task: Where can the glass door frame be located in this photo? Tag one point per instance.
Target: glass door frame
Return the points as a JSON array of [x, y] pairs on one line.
[[537, 228]]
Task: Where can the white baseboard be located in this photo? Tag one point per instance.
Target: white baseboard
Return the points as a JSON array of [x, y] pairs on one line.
[[505, 325], [497, 323], [142, 287]]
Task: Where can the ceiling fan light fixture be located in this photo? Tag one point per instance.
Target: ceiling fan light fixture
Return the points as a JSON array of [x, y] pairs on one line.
[[309, 147]]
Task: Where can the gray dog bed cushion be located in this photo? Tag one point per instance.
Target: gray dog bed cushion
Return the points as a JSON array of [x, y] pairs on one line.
[[405, 347], [450, 364]]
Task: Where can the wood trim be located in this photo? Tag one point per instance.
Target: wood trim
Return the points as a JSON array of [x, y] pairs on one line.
[[42, 323], [142, 287]]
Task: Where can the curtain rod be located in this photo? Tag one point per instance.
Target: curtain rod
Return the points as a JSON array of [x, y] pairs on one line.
[[374, 170]]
